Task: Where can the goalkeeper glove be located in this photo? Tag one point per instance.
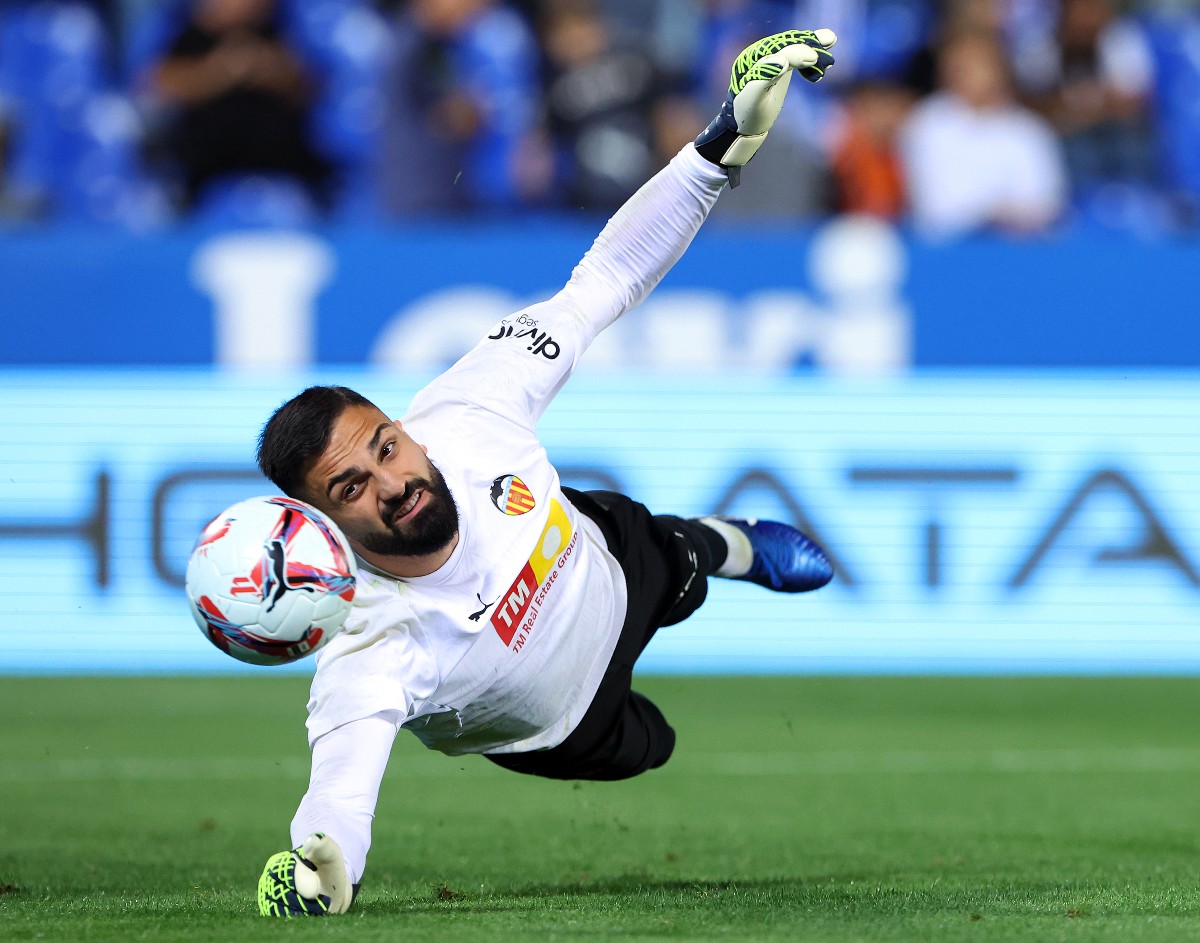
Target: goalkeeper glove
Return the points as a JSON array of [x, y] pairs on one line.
[[307, 881], [759, 80]]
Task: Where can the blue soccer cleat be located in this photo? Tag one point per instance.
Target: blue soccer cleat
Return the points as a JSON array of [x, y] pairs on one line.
[[785, 560]]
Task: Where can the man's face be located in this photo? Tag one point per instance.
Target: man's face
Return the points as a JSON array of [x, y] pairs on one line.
[[973, 69], [380, 488]]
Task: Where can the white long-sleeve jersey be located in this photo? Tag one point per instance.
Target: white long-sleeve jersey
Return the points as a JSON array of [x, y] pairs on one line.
[[502, 648]]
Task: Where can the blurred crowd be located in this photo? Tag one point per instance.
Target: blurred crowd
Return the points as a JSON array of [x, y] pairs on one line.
[[954, 117]]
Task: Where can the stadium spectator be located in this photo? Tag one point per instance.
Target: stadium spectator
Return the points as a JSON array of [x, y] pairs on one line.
[[462, 96], [957, 18], [879, 37], [598, 103], [1095, 89], [867, 173], [973, 158], [241, 99], [6, 123], [670, 31]]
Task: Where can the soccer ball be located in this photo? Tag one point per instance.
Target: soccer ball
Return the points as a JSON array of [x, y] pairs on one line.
[[270, 580]]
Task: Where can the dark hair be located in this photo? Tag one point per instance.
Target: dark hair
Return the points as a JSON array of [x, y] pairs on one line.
[[298, 432]]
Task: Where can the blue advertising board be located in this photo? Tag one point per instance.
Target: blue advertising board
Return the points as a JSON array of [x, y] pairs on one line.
[[851, 298], [1034, 522]]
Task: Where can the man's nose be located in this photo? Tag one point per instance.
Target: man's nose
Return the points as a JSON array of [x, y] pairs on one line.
[[390, 486]]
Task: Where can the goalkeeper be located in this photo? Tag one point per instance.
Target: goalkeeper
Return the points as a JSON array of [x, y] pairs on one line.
[[498, 612]]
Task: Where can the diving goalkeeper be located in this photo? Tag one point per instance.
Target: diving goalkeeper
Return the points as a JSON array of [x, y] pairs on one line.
[[498, 612]]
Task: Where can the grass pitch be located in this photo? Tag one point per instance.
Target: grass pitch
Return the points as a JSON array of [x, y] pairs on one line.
[[794, 809]]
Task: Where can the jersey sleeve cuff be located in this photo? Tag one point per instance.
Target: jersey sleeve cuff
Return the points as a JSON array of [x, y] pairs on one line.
[[699, 169]]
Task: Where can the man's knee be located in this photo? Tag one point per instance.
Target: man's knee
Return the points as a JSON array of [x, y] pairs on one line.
[[646, 741], [640, 740], [689, 564]]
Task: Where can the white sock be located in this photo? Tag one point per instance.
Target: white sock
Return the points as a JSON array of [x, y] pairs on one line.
[[740, 554]]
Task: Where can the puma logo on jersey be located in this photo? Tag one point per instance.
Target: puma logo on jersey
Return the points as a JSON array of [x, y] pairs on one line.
[[476, 616]]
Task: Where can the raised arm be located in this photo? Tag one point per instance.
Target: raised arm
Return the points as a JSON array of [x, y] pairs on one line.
[[527, 357], [654, 228], [641, 243]]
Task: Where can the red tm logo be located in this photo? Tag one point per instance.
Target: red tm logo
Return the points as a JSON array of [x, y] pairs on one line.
[[514, 604]]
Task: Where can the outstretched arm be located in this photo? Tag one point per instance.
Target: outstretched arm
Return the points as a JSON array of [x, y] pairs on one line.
[[517, 370], [640, 244], [652, 230], [347, 767]]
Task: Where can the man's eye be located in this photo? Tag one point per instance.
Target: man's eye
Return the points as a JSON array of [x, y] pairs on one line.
[[349, 492], [386, 451]]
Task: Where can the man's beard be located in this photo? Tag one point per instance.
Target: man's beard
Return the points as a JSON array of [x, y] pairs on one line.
[[433, 528]]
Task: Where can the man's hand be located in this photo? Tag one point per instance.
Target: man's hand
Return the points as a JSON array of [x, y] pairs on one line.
[[308, 881], [760, 79]]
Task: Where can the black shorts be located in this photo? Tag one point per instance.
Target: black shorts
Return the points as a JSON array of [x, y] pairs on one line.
[[666, 561]]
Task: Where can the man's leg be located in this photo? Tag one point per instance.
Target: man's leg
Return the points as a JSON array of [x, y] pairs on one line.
[[622, 735], [770, 554], [667, 561]]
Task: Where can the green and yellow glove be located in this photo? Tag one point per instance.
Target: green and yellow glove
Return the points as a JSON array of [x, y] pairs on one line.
[[309, 881], [759, 80]]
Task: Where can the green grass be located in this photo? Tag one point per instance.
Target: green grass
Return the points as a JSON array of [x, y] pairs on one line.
[[794, 809]]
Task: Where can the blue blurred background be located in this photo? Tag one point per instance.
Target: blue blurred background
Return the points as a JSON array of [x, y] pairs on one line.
[[946, 322]]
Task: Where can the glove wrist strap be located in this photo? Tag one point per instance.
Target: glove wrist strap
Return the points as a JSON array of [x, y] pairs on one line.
[[715, 144]]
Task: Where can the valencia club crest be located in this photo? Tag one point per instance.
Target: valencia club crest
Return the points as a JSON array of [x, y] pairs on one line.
[[510, 495]]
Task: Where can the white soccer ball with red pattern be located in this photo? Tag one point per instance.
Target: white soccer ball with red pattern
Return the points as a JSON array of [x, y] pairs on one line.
[[270, 580]]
